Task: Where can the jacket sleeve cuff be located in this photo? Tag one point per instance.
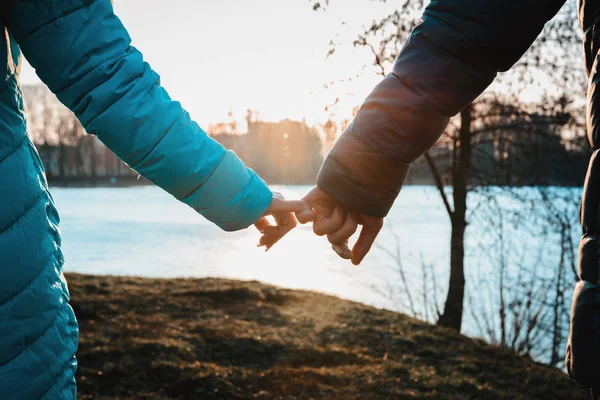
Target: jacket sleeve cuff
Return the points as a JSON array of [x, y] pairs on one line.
[[234, 197], [360, 179], [253, 202]]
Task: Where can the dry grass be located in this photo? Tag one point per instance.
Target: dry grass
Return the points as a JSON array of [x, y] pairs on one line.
[[214, 338]]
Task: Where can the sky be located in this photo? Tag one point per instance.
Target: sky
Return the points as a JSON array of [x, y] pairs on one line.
[[265, 55]]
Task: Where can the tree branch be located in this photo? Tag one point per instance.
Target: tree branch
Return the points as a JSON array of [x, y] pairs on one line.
[[438, 182]]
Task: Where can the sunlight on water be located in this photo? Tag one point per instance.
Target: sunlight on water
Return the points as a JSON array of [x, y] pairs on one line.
[[143, 231]]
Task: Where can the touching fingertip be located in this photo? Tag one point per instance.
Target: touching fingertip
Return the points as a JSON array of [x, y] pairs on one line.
[[356, 260], [342, 251], [305, 216]]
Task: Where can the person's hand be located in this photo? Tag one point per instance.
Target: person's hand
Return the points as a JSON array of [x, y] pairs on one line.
[[282, 211], [331, 219]]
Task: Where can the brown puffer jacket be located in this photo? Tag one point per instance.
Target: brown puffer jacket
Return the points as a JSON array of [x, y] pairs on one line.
[[450, 58], [583, 347]]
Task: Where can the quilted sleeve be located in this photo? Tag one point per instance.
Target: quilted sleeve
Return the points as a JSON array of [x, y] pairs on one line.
[[82, 51]]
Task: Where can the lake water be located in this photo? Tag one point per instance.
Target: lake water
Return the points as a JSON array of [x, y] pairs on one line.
[[143, 231]]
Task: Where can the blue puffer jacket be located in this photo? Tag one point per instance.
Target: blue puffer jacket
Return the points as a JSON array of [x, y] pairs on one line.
[[82, 52]]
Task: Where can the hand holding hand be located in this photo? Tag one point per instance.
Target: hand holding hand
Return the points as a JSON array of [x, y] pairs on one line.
[[331, 219], [282, 211]]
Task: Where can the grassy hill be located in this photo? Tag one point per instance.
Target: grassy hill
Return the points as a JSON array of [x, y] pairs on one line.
[[223, 339]]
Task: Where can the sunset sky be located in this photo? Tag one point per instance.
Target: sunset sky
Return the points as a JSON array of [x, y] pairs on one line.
[[266, 55]]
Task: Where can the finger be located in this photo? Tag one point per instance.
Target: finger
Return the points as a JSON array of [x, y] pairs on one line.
[[277, 231], [271, 231], [264, 226], [323, 225], [320, 201], [368, 234], [305, 216], [268, 241], [261, 224], [280, 205], [342, 250], [272, 234], [345, 232], [285, 222]]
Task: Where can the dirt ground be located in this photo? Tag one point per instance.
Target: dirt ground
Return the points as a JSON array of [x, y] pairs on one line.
[[223, 339]]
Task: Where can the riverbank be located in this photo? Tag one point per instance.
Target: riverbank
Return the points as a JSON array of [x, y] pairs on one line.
[[223, 339]]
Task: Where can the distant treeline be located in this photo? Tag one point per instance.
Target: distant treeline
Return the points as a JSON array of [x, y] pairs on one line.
[[88, 162], [287, 152], [514, 159], [291, 152]]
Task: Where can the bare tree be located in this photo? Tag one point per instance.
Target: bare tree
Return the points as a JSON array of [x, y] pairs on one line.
[[61, 140], [67, 133], [524, 307]]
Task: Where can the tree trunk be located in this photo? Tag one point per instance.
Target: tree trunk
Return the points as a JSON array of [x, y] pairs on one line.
[[79, 158], [62, 159], [453, 310], [93, 160], [555, 357]]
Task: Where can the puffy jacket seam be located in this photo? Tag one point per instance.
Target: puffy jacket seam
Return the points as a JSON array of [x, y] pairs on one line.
[[5, 86], [464, 18], [463, 38], [237, 205], [167, 130], [445, 53], [62, 368], [374, 195], [46, 265], [235, 209], [111, 60], [35, 202], [17, 147], [207, 178], [355, 135], [425, 101], [53, 20]]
